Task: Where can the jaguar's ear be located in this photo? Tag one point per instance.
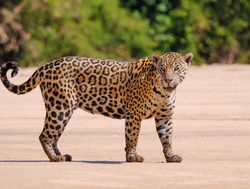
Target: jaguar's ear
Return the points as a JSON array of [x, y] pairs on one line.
[[188, 58], [158, 61], [155, 58]]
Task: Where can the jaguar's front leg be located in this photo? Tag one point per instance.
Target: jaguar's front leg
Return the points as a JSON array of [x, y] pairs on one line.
[[132, 129], [165, 130]]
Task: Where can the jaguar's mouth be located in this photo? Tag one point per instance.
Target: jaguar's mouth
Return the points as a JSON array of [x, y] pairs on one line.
[[168, 88], [169, 85]]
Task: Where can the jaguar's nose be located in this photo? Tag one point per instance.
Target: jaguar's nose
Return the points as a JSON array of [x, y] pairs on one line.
[[172, 84], [168, 80]]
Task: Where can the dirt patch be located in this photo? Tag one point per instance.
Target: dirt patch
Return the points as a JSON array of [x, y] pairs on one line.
[[211, 132]]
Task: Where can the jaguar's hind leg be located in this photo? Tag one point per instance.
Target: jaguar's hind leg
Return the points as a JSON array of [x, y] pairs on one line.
[[55, 123], [54, 146]]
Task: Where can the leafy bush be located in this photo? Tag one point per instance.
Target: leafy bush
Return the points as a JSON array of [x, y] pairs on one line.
[[215, 31], [99, 28]]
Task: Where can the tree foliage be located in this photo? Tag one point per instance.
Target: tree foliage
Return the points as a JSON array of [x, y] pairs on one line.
[[214, 30], [99, 28], [35, 31]]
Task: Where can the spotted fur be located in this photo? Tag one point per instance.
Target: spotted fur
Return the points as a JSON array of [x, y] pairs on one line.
[[123, 90]]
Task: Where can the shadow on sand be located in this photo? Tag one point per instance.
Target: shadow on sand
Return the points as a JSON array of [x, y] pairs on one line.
[[74, 161], [100, 162]]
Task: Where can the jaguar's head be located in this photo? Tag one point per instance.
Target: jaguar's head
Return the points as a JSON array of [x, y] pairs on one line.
[[172, 67]]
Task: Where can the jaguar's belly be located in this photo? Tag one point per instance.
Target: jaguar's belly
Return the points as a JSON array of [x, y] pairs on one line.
[[107, 110], [107, 101]]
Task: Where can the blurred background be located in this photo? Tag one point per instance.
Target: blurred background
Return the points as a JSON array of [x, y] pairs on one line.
[[32, 32]]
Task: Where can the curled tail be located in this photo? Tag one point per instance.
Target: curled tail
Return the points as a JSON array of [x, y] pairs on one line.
[[26, 87]]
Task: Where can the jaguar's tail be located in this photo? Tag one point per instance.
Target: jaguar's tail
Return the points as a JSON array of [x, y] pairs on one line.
[[26, 87]]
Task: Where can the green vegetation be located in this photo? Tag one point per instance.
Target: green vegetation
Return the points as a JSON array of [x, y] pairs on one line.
[[35, 31], [214, 30]]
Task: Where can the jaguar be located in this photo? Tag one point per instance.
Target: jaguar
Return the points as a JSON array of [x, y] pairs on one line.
[[130, 90]]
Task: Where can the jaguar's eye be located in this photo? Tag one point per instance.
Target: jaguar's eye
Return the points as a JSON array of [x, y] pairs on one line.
[[162, 70], [175, 69]]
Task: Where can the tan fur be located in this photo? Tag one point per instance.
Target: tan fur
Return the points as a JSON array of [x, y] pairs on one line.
[[124, 90]]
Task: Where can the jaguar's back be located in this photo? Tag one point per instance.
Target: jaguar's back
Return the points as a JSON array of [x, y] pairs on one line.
[[95, 85]]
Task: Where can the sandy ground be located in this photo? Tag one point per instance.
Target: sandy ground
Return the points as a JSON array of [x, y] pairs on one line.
[[211, 132]]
